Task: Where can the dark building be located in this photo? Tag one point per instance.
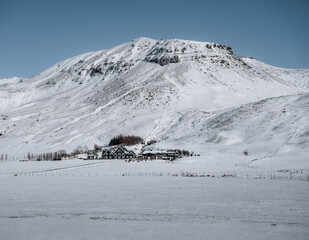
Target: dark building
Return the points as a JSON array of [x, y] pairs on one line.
[[118, 153]]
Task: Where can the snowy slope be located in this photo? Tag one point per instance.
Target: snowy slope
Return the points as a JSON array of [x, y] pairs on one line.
[[130, 89], [297, 77], [275, 128]]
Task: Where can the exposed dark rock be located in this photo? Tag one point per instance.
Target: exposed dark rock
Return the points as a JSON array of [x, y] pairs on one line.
[[95, 71], [4, 117], [162, 61]]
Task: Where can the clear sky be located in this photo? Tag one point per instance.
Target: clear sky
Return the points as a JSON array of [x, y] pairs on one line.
[[36, 34]]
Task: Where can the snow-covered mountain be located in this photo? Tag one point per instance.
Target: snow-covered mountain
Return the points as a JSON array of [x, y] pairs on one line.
[[171, 90]]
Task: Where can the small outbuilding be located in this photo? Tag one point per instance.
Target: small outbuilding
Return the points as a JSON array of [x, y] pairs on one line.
[[93, 155]]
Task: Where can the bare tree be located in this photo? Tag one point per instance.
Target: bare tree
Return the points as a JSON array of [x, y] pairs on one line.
[[97, 148]]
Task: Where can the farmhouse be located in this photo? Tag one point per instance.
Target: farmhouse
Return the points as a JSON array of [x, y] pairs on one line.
[[161, 154], [118, 153], [107, 154], [170, 155]]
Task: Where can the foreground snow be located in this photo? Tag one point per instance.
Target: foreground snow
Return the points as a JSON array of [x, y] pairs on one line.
[[150, 200], [248, 121]]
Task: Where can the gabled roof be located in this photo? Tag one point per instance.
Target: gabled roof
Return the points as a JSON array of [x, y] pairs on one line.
[[132, 152], [105, 152], [124, 149]]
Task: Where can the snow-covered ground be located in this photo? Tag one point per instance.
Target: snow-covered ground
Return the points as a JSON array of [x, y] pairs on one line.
[[248, 121], [114, 199]]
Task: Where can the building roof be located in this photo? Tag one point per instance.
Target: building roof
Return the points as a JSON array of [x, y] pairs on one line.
[[158, 152], [94, 154], [123, 149], [132, 152]]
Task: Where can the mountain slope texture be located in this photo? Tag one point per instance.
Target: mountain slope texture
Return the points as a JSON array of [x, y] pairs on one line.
[[185, 94]]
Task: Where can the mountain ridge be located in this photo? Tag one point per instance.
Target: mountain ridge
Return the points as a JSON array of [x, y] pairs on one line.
[[127, 89]]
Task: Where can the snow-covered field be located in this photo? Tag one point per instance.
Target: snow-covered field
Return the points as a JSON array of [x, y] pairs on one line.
[[248, 121], [113, 199]]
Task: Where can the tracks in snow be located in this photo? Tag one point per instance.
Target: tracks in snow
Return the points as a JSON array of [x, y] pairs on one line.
[[74, 167]]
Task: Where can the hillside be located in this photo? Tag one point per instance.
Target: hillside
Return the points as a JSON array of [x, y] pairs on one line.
[[296, 77], [151, 88], [273, 132]]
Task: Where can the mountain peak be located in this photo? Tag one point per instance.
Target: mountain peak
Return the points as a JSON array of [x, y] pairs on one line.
[[130, 89]]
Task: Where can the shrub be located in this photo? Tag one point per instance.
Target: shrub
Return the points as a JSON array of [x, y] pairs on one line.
[[127, 140], [79, 150], [97, 148]]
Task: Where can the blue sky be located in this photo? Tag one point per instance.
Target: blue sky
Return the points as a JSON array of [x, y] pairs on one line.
[[35, 35]]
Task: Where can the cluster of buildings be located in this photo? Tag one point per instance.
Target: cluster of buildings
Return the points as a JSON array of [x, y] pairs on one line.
[[110, 153], [161, 154], [118, 153], [122, 152]]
